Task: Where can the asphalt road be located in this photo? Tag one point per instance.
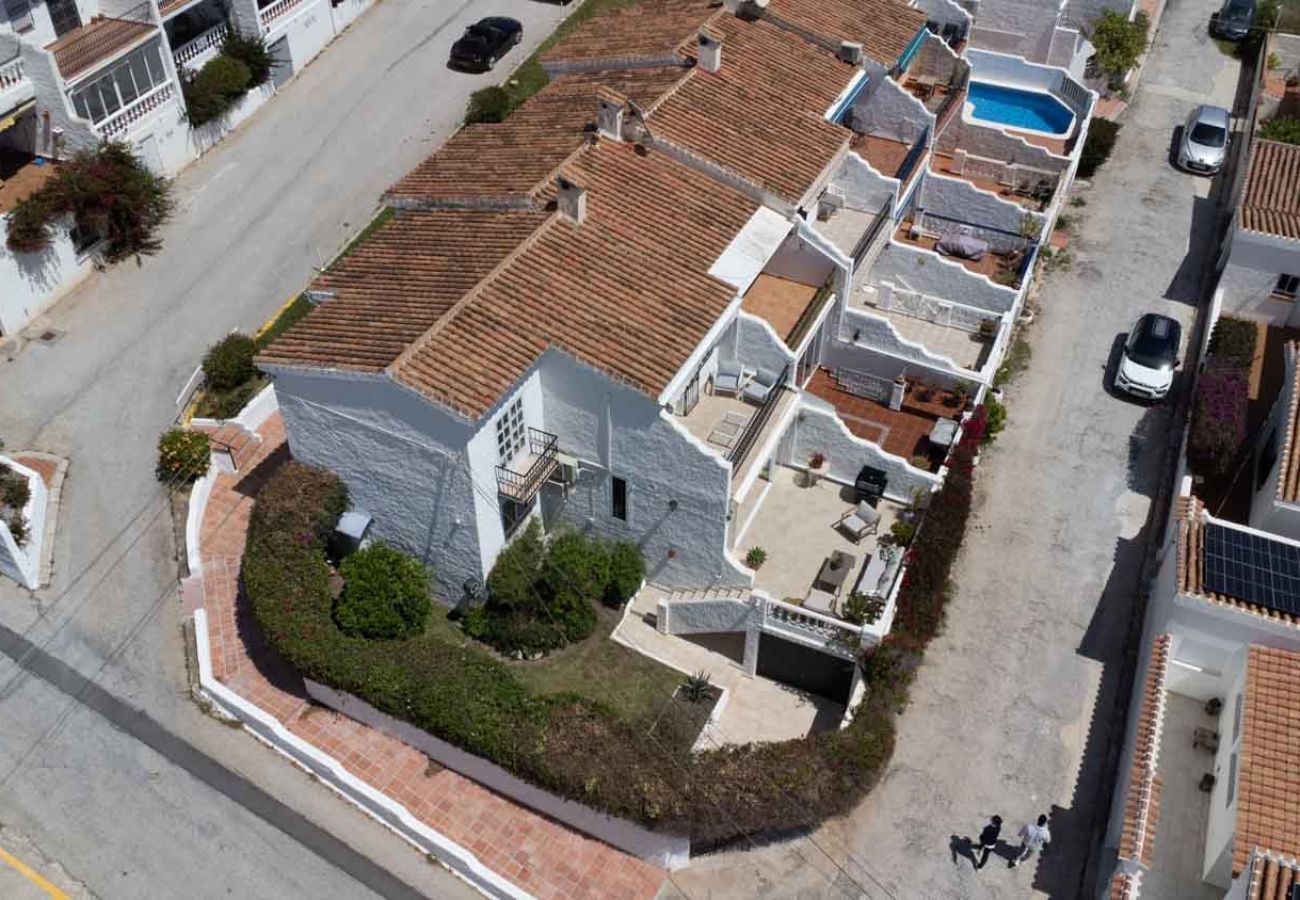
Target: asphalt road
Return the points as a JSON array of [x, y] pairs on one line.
[[1011, 713], [106, 767]]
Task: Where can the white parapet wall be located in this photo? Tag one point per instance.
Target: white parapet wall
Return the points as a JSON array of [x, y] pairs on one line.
[[666, 850], [22, 562]]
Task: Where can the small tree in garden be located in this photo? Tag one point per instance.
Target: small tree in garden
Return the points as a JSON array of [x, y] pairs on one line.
[[626, 572], [108, 191], [229, 362], [211, 91], [1218, 419], [183, 456], [253, 53], [487, 105], [1119, 43], [385, 594]]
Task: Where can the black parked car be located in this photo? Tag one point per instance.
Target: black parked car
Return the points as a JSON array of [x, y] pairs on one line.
[[484, 42], [1234, 20]]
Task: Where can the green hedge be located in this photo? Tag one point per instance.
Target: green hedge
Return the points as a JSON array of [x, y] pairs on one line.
[[566, 744], [385, 594], [1102, 134], [211, 91]]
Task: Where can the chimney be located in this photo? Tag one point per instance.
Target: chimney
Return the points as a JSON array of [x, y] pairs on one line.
[[710, 51], [609, 116], [571, 201], [851, 52]]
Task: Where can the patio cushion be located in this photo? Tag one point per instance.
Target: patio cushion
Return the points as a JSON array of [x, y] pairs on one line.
[[963, 246], [867, 513], [766, 377], [728, 377]]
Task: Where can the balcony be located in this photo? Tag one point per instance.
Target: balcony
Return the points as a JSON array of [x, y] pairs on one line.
[[1031, 188], [962, 335], [523, 478], [15, 88], [738, 430], [123, 121], [273, 14], [102, 39], [790, 307], [198, 51], [1002, 268], [903, 432]]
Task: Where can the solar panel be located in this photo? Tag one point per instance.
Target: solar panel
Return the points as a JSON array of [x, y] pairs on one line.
[[1252, 568]]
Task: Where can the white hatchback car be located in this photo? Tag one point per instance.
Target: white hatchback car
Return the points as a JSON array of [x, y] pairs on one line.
[[1150, 357]]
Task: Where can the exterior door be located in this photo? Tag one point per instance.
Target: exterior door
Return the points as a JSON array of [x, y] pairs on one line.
[[64, 16], [282, 67], [691, 395]]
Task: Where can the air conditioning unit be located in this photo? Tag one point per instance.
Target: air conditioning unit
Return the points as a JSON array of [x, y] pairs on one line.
[[567, 472]]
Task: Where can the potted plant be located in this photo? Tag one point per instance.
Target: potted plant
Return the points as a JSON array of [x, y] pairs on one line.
[[755, 557], [988, 328], [817, 466], [961, 392]]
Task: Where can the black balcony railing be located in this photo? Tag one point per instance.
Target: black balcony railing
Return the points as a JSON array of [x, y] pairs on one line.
[[537, 465], [756, 425], [873, 231]]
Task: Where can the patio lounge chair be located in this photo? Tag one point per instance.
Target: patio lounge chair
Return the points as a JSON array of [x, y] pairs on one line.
[[758, 389], [859, 522], [728, 379]]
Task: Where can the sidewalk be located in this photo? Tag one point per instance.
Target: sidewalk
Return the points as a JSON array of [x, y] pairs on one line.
[[533, 852]]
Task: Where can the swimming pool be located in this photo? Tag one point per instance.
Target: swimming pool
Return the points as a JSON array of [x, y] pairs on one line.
[[1016, 108]]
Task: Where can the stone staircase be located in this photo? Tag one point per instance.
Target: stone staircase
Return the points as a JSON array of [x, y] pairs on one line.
[[741, 595], [235, 441]]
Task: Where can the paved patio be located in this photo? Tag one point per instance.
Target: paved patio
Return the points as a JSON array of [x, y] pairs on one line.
[[541, 856], [756, 709], [1184, 808], [795, 525], [967, 349], [990, 265], [903, 432]]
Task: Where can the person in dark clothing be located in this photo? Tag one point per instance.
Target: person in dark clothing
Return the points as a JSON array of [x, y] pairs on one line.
[[988, 840]]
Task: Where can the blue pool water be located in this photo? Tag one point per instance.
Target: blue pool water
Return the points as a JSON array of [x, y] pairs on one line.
[[1019, 109]]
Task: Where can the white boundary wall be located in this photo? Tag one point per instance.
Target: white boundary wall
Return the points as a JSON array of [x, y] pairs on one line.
[[669, 851], [23, 564]]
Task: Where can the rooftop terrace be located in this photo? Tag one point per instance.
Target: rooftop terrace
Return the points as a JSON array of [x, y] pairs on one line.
[[99, 39], [903, 432], [784, 304], [1001, 267]]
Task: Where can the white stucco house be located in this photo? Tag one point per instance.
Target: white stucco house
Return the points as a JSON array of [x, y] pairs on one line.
[[607, 311], [75, 73]]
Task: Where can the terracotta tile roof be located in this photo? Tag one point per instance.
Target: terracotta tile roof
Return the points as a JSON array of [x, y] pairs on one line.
[[1271, 203], [1288, 481], [396, 284], [515, 157], [1125, 886], [761, 116], [1268, 768], [650, 29], [884, 28], [1142, 804], [97, 40], [626, 292], [1192, 518], [1271, 876]]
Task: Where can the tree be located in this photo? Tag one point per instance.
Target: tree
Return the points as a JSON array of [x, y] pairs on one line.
[[1119, 42], [108, 191]]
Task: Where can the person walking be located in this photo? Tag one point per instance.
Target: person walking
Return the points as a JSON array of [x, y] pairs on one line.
[[988, 840], [1033, 836]]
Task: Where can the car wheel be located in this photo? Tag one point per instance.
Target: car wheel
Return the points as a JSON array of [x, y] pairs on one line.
[[491, 63]]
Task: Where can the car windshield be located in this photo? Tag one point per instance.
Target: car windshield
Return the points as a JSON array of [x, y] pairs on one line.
[[1239, 8], [1153, 344], [1208, 135]]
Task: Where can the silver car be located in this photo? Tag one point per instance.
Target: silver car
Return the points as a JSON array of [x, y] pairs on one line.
[[1204, 144]]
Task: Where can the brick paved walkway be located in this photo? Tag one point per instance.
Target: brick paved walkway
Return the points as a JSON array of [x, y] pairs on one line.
[[541, 856]]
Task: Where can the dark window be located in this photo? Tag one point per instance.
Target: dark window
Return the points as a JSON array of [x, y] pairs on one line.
[[618, 498], [20, 14], [63, 16], [512, 514], [1232, 781], [1287, 285], [1236, 721]]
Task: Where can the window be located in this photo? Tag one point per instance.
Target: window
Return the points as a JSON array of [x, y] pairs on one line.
[[513, 514], [1287, 286], [510, 432], [1232, 780], [1236, 721], [124, 83], [20, 15], [1267, 459], [618, 498]]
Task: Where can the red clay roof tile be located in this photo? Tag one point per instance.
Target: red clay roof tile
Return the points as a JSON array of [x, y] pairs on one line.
[[1271, 203]]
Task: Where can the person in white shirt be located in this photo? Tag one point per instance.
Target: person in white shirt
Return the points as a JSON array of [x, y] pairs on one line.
[[1032, 837]]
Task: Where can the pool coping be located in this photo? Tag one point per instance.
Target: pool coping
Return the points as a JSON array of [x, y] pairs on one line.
[[967, 111]]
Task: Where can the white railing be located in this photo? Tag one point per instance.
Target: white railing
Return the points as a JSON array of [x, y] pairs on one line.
[[862, 384], [276, 10], [208, 40], [11, 73], [828, 629], [121, 121], [931, 309]]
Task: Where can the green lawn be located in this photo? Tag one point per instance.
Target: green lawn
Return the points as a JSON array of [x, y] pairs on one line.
[[598, 668]]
